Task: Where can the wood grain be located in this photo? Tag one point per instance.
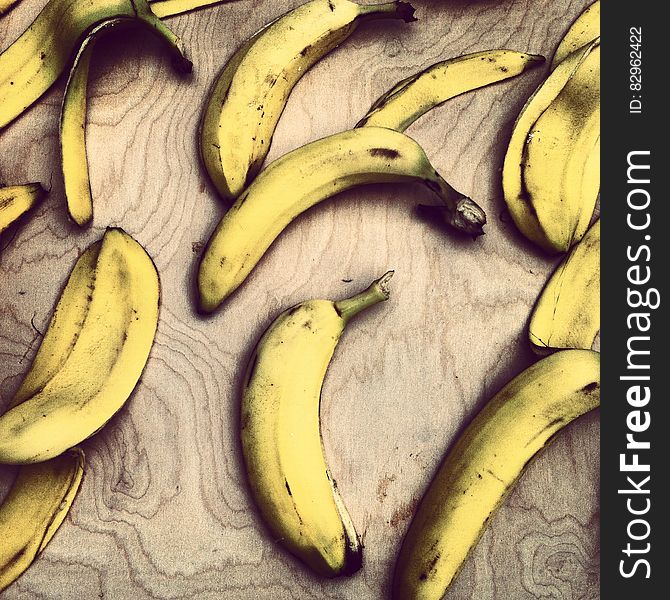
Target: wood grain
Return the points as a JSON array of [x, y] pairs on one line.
[[164, 510]]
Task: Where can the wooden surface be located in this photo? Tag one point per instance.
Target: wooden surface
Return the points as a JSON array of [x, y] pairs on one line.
[[164, 510]]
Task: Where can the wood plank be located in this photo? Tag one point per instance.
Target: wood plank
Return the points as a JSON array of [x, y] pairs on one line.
[[164, 510]]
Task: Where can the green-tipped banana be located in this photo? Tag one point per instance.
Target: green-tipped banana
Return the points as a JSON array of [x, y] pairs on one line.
[[413, 97], [17, 200], [250, 94], [34, 509], [584, 30], [91, 356], [551, 174], [485, 463], [36, 59], [281, 435], [567, 313], [301, 179], [73, 112]]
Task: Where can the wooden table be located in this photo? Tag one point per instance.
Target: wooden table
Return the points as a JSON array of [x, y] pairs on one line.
[[164, 510]]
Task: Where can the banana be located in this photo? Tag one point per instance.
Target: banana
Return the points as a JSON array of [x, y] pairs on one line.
[[17, 200], [280, 430], [301, 179], [250, 94], [73, 130], [35, 508], [567, 313], [414, 96], [585, 29], [169, 8], [92, 354], [6, 5], [73, 112], [484, 464], [551, 173], [36, 59]]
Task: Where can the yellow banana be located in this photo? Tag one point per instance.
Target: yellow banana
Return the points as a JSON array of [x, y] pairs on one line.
[[250, 94], [413, 97], [91, 356], [484, 464], [73, 130], [584, 30], [551, 173], [17, 200], [73, 112], [5, 5], [169, 8], [301, 179], [281, 438], [35, 60], [567, 313], [34, 509]]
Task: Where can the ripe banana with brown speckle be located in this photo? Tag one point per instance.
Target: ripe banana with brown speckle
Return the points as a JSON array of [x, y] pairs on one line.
[[551, 173], [30, 65], [567, 313], [302, 178], [17, 200], [584, 30], [91, 356], [485, 463], [281, 435], [414, 96], [34, 509], [250, 94]]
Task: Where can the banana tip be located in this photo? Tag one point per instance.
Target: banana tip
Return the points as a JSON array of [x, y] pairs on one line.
[[384, 284]]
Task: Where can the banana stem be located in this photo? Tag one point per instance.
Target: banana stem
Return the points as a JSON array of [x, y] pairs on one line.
[[377, 292], [389, 10], [459, 211]]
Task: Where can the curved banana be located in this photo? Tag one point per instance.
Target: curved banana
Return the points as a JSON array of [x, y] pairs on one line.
[[91, 356], [35, 60], [281, 438], [567, 313], [414, 96], [73, 130], [34, 509], [585, 29], [301, 179], [73, 112], [484, 464], [17, 200], [5, 6], [551, 173], [250, 94], [169, 8]]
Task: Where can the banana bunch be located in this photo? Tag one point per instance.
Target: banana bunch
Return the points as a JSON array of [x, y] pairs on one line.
[[414, 96], [17, 200], [34, 509], [37, 58], [250, 94], [281, 437], [305, 177], [567, 313], [91, 356], [484, 464], [551, 173], [74, 162]]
